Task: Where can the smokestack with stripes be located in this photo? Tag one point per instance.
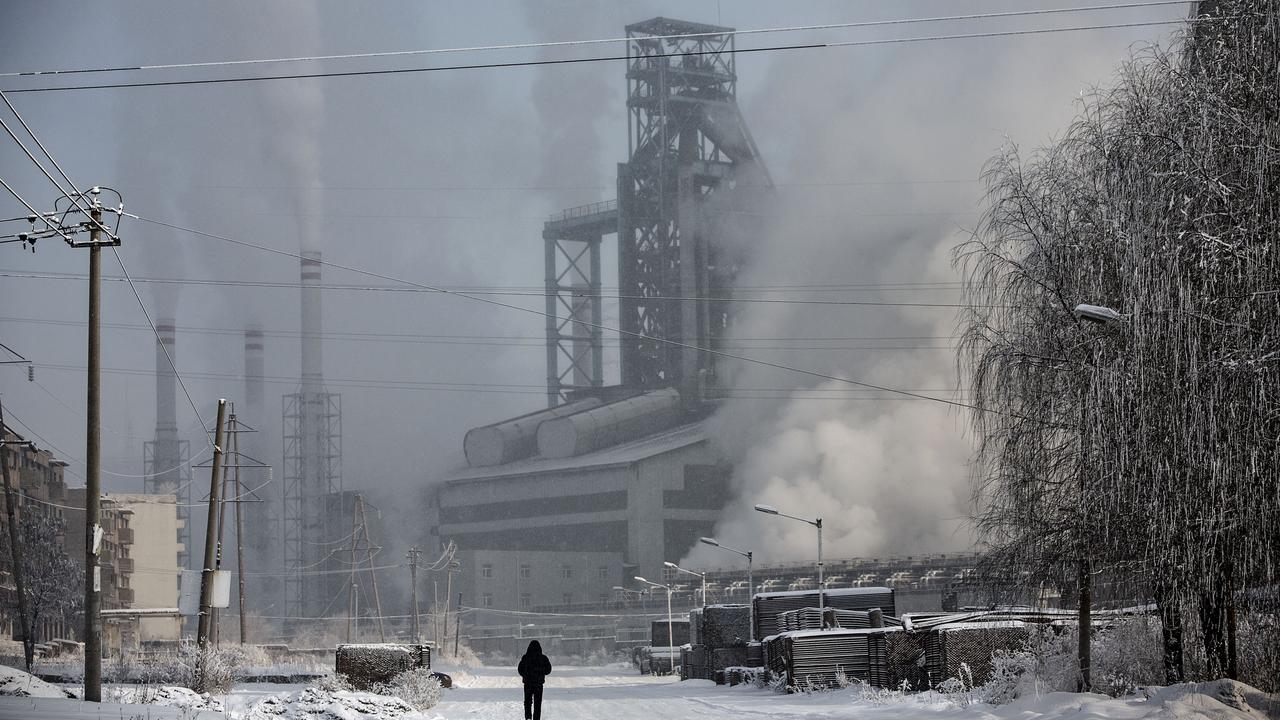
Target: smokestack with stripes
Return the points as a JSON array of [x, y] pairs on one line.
[[166, 458], [312, 453]]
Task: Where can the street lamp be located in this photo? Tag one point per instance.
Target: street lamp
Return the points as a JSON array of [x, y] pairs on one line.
[[751, 587], [702, 575], [1101, 315], [671, 634], [771, 510]]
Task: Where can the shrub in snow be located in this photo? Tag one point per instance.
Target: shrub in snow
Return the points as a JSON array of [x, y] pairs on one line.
[[167, 695], [417, 687]]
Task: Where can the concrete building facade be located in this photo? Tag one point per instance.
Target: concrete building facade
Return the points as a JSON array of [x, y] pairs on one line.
[[627, 508], [155, 556]]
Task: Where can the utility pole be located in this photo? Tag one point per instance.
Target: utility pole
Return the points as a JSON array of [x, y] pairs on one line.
[[210, 536], [92, 487], [457, 625], [414, 552], [235, 444], [215, 626], [15, 548], [62, 223]]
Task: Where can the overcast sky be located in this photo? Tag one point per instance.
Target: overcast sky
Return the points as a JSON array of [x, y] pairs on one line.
[[445, 178]]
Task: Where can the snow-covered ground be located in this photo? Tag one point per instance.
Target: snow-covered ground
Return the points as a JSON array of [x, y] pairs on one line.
[[618, 693]]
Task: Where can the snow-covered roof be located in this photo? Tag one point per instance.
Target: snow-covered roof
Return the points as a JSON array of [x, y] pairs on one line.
[[624, 454]]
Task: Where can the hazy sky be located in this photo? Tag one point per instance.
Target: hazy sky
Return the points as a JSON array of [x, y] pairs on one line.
[[446, 177]]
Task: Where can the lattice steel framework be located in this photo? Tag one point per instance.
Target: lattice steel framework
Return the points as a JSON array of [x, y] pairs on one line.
[[572, 242], [312, 436], [688, 144]]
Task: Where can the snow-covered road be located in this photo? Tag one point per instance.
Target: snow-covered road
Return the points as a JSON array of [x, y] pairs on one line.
[[619, 693]]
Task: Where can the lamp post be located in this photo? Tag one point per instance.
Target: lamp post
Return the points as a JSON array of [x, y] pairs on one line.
[[771, 510], [751, 587], [702, 575], [671, 634], [1100, 315]]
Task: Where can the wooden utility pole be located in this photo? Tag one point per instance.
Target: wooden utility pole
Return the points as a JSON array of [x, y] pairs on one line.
[[240, 499], [15, 550], [92, 486], [359, 532], [413, 554], [351, 585], [210, 535], [216, 627]]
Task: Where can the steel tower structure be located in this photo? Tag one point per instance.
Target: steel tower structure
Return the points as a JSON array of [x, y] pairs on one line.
[[166, 460], [312, 438], [692, 167]]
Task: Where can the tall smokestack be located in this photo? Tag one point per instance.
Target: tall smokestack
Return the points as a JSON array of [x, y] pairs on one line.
[[312, 374], [253, 365], [166, 385]]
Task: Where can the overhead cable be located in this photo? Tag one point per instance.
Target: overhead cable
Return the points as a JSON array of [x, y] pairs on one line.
[[596, 41], [607, 58]]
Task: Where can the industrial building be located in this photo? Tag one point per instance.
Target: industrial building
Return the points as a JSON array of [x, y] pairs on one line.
[[610, 481]]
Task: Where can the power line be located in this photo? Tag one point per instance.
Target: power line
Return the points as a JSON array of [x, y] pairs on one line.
[[609, 58], [939, 285], [505, 293], [466, 339], [76, 200], [540, 313], [597, 41]]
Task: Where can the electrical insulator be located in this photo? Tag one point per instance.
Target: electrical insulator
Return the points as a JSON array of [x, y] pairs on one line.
[[31, 373]]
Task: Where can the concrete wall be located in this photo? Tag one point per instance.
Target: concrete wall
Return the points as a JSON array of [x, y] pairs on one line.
[[629, 517], [523, 580], [155, 557]]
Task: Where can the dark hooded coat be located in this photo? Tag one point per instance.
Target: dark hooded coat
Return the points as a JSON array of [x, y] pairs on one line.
[[534, 666]]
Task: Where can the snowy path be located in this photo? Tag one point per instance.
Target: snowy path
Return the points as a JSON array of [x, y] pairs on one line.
[[619, 693]]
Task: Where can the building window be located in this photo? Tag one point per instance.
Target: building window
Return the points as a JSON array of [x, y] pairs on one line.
[[486, 571], [526, 572], [486, 600], [603, 598], [567, 598], [604, 572], [566, 571], [525, 600]]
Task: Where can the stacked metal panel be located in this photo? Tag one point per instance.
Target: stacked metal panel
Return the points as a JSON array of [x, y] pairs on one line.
[[755, 655], [813, 619], [768, 605], [816, 658], [679, 631], [694, 663], [972, 645], [898, 659], [723, 626]]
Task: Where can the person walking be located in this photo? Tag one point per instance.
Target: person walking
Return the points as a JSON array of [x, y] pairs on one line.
[[534, 669]]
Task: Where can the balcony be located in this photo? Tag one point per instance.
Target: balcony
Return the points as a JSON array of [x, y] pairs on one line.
[[124, 536], [124, 565], [126, 596]]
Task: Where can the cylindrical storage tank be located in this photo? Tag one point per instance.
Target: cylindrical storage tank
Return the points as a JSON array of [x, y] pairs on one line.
[[609, 425], [516, 438]]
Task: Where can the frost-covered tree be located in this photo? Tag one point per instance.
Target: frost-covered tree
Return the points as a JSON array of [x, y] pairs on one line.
[[1147, 448], [54, 583]]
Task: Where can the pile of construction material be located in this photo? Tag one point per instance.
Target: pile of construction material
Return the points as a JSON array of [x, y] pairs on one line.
[[769, 605], [816, 619], [914, 652], [663, 656], [719, 637], [366, 666]]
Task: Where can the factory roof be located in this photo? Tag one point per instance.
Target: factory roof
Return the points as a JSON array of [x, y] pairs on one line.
[[623, 454]]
